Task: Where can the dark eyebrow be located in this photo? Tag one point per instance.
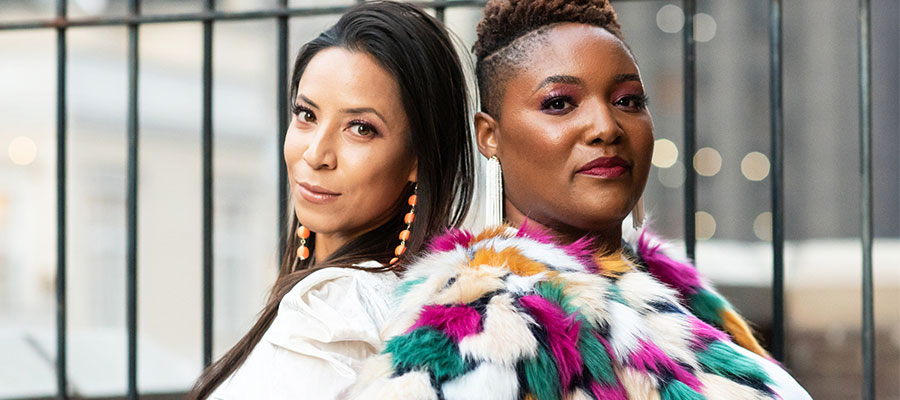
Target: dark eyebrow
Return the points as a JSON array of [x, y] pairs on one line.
[[307, 100], [569, 79], [361, 110], [358, 110], [627, 77]]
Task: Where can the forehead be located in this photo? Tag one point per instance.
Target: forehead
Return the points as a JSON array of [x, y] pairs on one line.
[[353, 74], [576, 49]]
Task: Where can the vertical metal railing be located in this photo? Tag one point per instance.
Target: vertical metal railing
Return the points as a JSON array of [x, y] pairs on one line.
[[866, 216], [61, 54], [690, 129], [207, 167], [131, 200], [281, 15], [281, 107], [777, 188]]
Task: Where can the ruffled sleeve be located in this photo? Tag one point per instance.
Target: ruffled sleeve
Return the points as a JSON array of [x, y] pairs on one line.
[[326, 325]]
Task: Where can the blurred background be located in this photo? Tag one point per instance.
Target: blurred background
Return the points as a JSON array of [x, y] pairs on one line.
[[822, 252]]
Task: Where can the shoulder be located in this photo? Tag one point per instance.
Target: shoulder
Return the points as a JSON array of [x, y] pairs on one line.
[[780, 380], [334, 304], [326, 325], [480, 309]]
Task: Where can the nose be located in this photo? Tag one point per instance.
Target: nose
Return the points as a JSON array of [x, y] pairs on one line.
[[320, 152], [602, 127]]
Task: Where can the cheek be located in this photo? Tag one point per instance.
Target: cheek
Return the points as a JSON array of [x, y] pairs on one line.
[[382, 172], [294, 146]]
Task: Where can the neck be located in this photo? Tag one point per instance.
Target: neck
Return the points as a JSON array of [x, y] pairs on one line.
[[326, 244], [607, 239]]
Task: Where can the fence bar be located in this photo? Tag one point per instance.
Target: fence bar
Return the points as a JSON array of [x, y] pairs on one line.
[[211, 15], [131, 201], [690, 130], [207, 161], [281, 107], [777, 153], [62, 392], [866, 220]]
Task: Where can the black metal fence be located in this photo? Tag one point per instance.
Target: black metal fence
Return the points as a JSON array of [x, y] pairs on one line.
[[134, 20]]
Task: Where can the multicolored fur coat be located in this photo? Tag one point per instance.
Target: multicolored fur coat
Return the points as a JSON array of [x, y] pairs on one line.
[[512, 315]]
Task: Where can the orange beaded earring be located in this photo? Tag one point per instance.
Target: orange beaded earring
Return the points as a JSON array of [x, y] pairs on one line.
[[408, 219], [303, 234]]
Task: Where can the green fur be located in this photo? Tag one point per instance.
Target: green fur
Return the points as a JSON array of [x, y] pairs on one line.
[[426, 348], [542, 376], [677, 390], [594, 356], [554, 293], [706, 305], [720, 359], [615, 294], [406, 286]]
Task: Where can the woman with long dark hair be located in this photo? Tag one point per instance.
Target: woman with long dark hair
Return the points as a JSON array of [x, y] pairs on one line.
[[571, 305], [379, 159]]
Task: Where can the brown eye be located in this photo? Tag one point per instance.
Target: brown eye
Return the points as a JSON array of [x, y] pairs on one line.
[[307, 116], [364, 130], [558, 104]]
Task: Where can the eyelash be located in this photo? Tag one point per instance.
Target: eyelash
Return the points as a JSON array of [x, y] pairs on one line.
[[545, 105], [367, 125], [641, 101], [297, 109]]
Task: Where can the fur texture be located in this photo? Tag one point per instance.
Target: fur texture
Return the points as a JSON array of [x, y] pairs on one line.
[[512, 315]]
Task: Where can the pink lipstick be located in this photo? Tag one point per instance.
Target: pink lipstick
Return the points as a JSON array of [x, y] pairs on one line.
[[606, 167], [316, 194]]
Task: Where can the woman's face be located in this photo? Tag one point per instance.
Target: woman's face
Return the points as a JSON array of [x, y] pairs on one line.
[[574, 135], [347, 148]]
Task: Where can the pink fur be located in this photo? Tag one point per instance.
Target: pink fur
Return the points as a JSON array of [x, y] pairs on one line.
[[450, 240], [562, 335], [679, 276], [536, 234], [704, 332], [608, 392], [609, 349], [649, 357], [582, 250], [456, 322]]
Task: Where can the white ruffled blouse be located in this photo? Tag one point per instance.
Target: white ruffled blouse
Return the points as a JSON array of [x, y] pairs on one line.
[[325, 327]]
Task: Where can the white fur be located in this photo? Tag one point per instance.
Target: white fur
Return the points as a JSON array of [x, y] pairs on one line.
[[486, 382], [522, 285], [547, 254], [579, 394], [626, 330], [505, 338], [638, 385], [588, 292], [639, 289], [718, 388], [414, 385], [672, 334]]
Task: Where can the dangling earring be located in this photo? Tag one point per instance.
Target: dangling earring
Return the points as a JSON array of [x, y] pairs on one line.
[[637, 214], [303, 234], [408, 219], [493, 215]]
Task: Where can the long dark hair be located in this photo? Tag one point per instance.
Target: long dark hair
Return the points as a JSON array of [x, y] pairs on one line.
[[417, 51]]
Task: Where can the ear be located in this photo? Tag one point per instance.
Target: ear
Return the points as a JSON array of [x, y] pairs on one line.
[[487, 134], [414, 171]]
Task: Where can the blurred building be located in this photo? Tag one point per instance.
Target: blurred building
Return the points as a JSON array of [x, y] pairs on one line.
[[822, 156]]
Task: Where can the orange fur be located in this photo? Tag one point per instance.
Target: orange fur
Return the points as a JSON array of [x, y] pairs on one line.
[[613, 265], [741, 332], [510, 258]]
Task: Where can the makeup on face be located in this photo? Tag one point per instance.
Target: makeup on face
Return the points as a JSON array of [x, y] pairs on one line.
[[345, 148], [575, 136]]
